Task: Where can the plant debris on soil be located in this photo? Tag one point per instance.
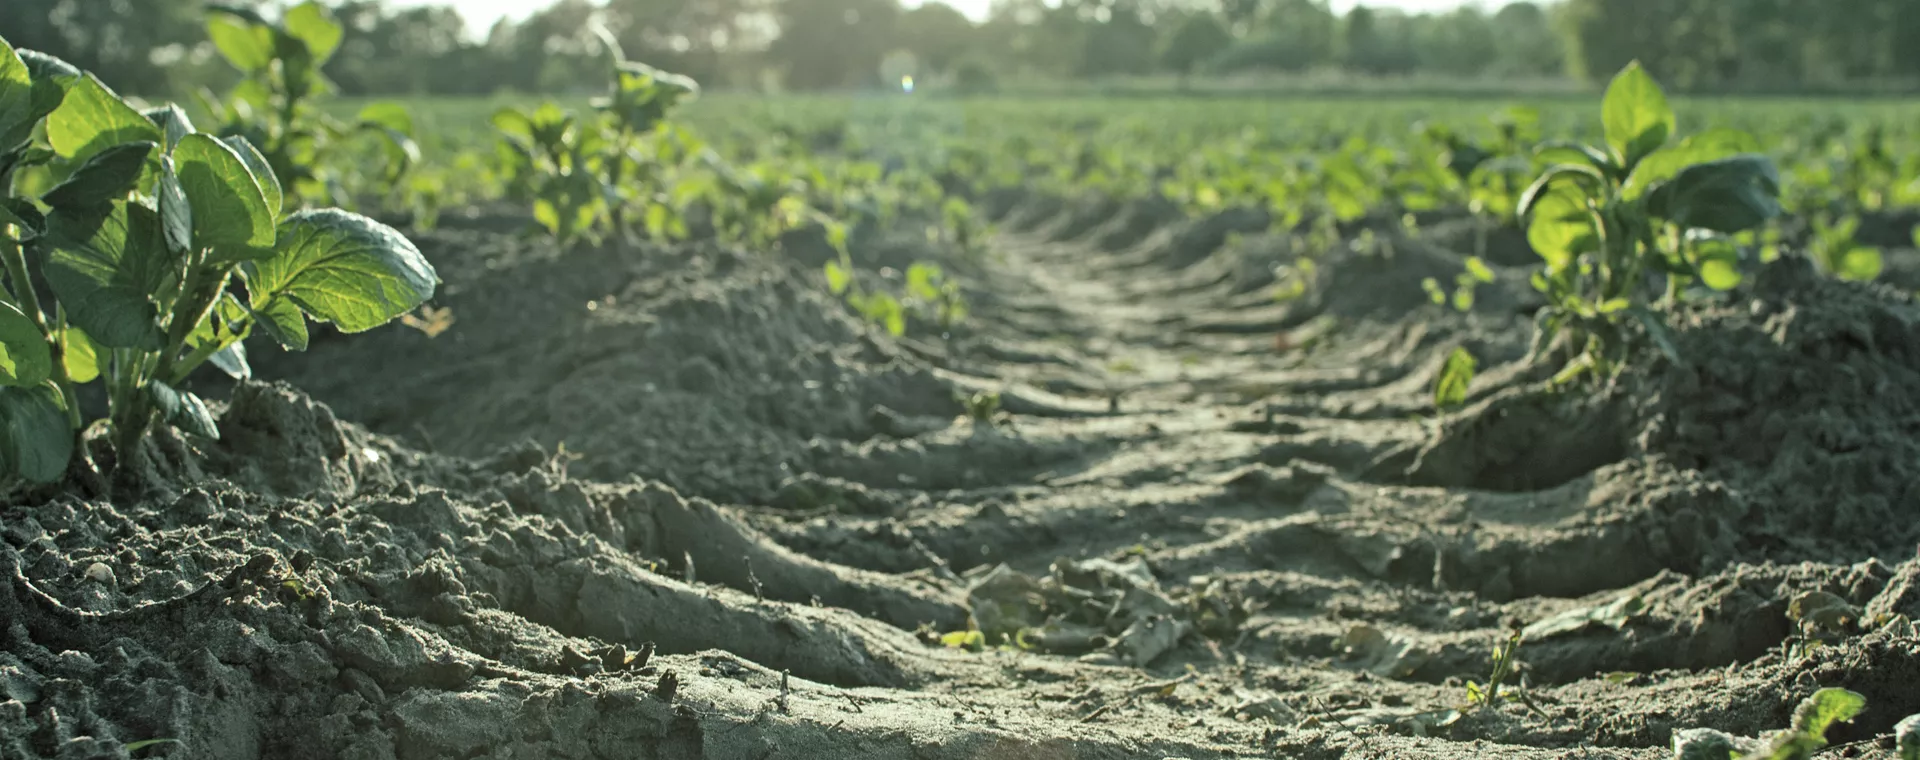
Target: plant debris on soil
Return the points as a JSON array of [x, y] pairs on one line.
[[678, 502]]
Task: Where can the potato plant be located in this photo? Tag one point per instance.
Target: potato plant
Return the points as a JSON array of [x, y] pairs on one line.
[[1617, 222], [162, 248], [275, 106]]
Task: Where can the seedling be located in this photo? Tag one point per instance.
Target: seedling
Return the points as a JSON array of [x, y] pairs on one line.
[[875, 306], [274, 106], [929, 288], [141, 246], [1906, 737], [1834, 249], [1450, 387], [983, 407], [1808, 733], [1464, 284], [1504, 669], [1610, 219]]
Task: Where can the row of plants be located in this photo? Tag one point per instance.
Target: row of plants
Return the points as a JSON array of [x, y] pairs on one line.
[[138, 247]]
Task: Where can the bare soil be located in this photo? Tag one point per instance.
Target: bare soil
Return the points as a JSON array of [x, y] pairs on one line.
[[644, 502]]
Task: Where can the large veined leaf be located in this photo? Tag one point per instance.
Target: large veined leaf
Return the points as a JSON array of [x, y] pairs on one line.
[[1728, 195], [92, 119], [36, 441], [107, 176], [231, 218], [1561, 226], [1663, 164], [283, 321], [1636, 115], [105, 262], [32, 85], [25, 358], [343, 268], [262, 172], [245, 44], [311, 24]]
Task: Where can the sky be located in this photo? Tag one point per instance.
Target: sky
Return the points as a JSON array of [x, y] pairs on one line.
[[480, 14]]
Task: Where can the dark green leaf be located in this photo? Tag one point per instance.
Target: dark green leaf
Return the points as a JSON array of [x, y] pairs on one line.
[[1657, 330], [20, 212], [107, 176], [42, 66], [233, 361], [36, 441], [1450, 388], [104, 265], [245, 43], [183, 410], [230, 214], [1567, 152], [344, 268], [92, 119], [1636, 115], [284, 322], [310, 23], [25, 358], [261, 170], [171, 120], [176, 214], [1729, 195]]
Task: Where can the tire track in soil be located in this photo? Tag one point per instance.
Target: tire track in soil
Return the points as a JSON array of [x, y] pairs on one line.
[[499, 604]]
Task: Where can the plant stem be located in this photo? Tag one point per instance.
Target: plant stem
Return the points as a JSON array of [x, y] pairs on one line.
[[15, 260]]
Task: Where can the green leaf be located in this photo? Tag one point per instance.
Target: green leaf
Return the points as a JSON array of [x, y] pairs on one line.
[[82, 356], [21, 213], [1729, 195], [1664, 164], [16, 94], [1561, 227], [1636, 115], [176, 215], [183, 410], [1479, 269], [1826, 707], [1657, 330], [388, 114], [343, 268], [105, 263], [35, 439], [838, 278], [230, 214], [1859, 263], [171, 120], [1450, 388], [145, 743], [1567, 152], [107, 176], [261, 170], [92, 118], [311, 24], [1717, 260], [233, 361], [246, 45], [25, 358], [284, 322]]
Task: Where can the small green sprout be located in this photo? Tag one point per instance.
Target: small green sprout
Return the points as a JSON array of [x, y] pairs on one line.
[[1906, 737], [983, 407], [1450, 387], [1808, 733]]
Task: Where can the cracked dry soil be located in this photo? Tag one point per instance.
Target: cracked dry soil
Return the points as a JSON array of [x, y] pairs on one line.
[[677, 503]]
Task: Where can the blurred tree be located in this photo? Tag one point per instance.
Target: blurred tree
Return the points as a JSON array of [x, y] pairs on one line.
[[1199, 37], [833, 43], [937, 34], [120, 41]]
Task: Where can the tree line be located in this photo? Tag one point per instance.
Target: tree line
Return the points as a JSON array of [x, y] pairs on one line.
[[158, 46]]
